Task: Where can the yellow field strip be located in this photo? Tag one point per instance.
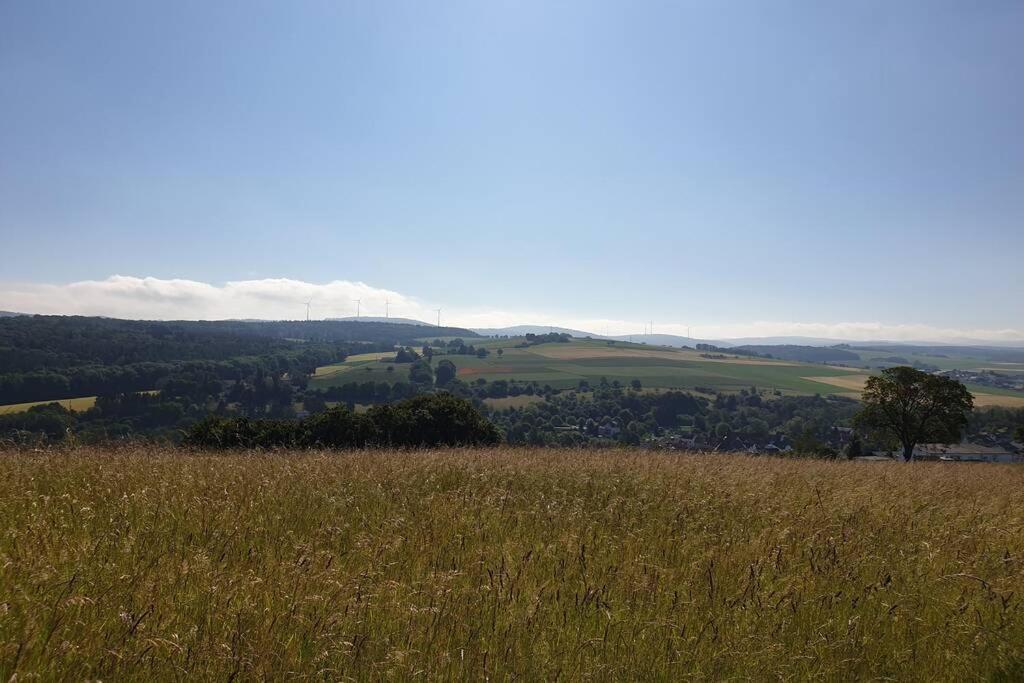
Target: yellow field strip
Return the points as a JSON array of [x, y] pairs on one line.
[[850, 382], [980, 399], [76, 404]]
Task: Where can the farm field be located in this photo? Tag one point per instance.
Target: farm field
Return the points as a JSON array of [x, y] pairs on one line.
[[564, 366], [149, 564], [361, 360], [81, 403], [75, 404], [983, 396], [871, 359], [512, 401]]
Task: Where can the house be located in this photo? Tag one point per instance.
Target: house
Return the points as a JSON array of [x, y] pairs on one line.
[[964, 452], [840, 436]]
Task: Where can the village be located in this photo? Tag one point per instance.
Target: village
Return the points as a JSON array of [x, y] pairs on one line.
[[982, 447]]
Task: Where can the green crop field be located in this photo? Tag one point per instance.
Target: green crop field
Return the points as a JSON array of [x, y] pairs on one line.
[[145, 563], [874, 359], [563, 366]]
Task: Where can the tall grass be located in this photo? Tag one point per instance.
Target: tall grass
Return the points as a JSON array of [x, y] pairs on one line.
[[150, 564]]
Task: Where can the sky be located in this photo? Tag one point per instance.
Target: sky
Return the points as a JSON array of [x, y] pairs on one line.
[[852, 170]]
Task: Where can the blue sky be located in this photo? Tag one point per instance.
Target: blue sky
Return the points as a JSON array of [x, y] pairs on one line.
[[727, 165]]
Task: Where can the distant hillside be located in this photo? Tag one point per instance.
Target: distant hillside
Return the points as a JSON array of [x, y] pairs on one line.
[[652, 339], [668, 340], [521, 330], [10, 314], [785, 341], [39, 342], [1001, 355], [381, 319], [804, 354]]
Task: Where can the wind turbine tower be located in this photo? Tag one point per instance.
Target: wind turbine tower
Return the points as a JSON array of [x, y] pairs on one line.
[[307, 309], [438, 316], [387, 308], [358, 301]]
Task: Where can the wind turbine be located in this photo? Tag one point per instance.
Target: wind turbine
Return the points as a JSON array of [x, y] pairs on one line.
[[438, 316], [307, 309], [387, 308], [358, 301]]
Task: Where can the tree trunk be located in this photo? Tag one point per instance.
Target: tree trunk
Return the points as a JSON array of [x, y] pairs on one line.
[[908, 452]]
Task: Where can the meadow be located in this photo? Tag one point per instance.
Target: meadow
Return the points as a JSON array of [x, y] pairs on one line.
[[151, 564]]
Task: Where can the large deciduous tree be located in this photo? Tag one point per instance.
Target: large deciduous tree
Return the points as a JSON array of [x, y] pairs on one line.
[[910, 406]]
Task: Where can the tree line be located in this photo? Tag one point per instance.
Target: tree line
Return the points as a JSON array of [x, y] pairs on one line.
[[429, 420]]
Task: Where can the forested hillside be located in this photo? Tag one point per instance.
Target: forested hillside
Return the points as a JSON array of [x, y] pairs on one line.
[[52, 357], [804, 354]]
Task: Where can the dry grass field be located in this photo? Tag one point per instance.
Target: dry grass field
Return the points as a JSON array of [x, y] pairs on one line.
[[981, 399], [540, 565], [984, 400], [77, 404]]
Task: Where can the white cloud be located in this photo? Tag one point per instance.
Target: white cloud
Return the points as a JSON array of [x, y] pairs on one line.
[[156, 299], [152, 298]]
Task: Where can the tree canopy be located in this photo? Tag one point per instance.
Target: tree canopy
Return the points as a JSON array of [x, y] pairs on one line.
[[910, 407]]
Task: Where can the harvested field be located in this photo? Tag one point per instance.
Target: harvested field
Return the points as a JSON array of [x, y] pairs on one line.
[[82, 403], [982, 400], [855, 382]]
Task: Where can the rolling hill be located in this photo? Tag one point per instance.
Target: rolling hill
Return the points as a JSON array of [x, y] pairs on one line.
[[591, 361], [523, 330]]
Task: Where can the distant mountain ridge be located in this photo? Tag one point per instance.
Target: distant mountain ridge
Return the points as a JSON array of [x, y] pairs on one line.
[[381, 319], [521, 330], [673, 340]]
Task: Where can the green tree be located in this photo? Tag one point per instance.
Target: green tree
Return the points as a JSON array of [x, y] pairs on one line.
[[421, 373], [854, 449], [445, 372], [636, 385], [911, 407]]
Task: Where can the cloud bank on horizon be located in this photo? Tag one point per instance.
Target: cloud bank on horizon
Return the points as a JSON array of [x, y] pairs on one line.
[[150, 298]]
